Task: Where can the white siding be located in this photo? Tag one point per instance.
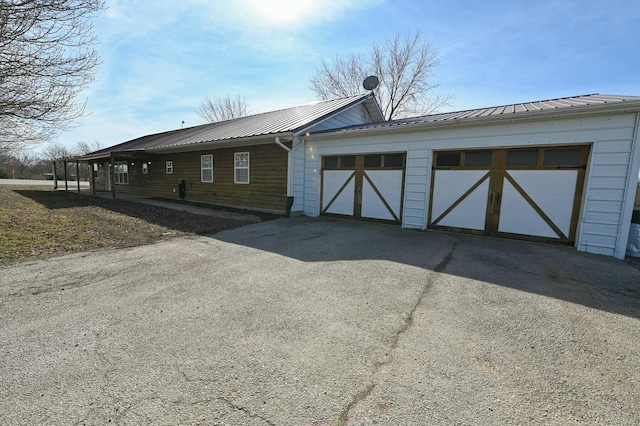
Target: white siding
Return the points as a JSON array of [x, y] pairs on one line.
[[311, 181], [614, 162], [416, 188], [298, 175], [354, 115]]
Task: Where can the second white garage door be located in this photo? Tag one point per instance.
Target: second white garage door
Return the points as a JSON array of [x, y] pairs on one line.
[[527, 193]]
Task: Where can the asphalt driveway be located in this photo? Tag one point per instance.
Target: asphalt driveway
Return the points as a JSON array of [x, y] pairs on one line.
[[324, 322]]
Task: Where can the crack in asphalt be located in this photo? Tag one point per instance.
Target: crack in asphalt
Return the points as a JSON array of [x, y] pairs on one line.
[[343, 419], [226, 401]]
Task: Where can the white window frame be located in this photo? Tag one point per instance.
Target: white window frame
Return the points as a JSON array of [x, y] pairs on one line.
[[168, 167], [122, 173], [202, 168], [238, 164], [145, 168]]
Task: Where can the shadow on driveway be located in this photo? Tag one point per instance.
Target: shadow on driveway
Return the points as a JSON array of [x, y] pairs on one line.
[[558, 272]]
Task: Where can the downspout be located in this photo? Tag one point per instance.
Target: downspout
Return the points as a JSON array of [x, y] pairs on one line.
[[113, 177], [289, 175]]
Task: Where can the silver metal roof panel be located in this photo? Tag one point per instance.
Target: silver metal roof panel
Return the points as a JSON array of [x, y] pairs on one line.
[[585, 101]]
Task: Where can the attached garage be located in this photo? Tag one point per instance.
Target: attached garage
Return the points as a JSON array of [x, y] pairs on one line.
[[557, 171]]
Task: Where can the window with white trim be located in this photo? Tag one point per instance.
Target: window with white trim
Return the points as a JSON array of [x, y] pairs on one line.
[[169, 167], [241, 167], [122, 173], [206, 168]]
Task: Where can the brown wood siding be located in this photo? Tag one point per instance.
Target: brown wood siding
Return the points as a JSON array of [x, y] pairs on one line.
[[267, 187]]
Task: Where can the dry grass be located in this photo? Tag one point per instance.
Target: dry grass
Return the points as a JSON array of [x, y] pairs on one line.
[[37, 223]]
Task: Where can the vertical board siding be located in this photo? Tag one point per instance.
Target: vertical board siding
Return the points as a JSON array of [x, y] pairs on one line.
[[311, 181], [416, 188], [297, 184], [604, 197], [267, 187]]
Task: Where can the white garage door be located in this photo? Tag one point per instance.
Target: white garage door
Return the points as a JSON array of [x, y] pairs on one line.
[[368, 187], [526, 193]]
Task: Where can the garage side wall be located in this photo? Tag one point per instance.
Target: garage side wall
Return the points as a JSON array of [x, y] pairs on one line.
[[602, 209]]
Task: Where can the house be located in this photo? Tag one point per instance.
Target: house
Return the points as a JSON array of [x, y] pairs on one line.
[[560, 171], [245, 162]]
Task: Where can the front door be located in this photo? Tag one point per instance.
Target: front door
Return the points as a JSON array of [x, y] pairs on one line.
[[527, 193], [368, 187]]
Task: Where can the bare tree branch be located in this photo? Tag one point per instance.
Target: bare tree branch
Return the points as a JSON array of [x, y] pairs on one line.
[[46, 59], [404, 65], [222, 109]]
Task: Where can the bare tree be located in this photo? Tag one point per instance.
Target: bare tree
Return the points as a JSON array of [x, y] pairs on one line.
[[58, 153], [83, 148], [46, 59], [405, 67], [222, 109]]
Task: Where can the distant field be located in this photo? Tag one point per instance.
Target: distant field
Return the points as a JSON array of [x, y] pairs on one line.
[[40, 223]]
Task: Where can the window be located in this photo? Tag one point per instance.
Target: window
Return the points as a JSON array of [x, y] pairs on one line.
[[522, 157], [169, 167], [206, 168], [394, 160], [478, 158], [241, 167], [373, 160], [122, 173], [330, 162], [145, 168], [562, 157], [448, 159], [348, 161]]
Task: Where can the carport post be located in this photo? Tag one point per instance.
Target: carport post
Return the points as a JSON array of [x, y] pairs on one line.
[[93, 178], [78, 174], [66, 183], [113, 178], [55, 176]]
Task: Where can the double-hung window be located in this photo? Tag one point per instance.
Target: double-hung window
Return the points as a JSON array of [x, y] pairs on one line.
[[122, 173], [206, 168], [241, 167], [168, 167]]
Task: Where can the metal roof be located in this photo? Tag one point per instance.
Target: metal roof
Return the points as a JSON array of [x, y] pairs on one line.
[[574, 102], [289, 120]]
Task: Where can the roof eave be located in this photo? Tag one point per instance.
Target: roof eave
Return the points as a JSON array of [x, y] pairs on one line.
[[220, 143]]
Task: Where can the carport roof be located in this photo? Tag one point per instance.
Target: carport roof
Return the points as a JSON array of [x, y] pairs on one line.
[[513, 110], [284, 121]]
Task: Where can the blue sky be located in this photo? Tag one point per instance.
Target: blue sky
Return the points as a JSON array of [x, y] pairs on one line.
[[161, 58]]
